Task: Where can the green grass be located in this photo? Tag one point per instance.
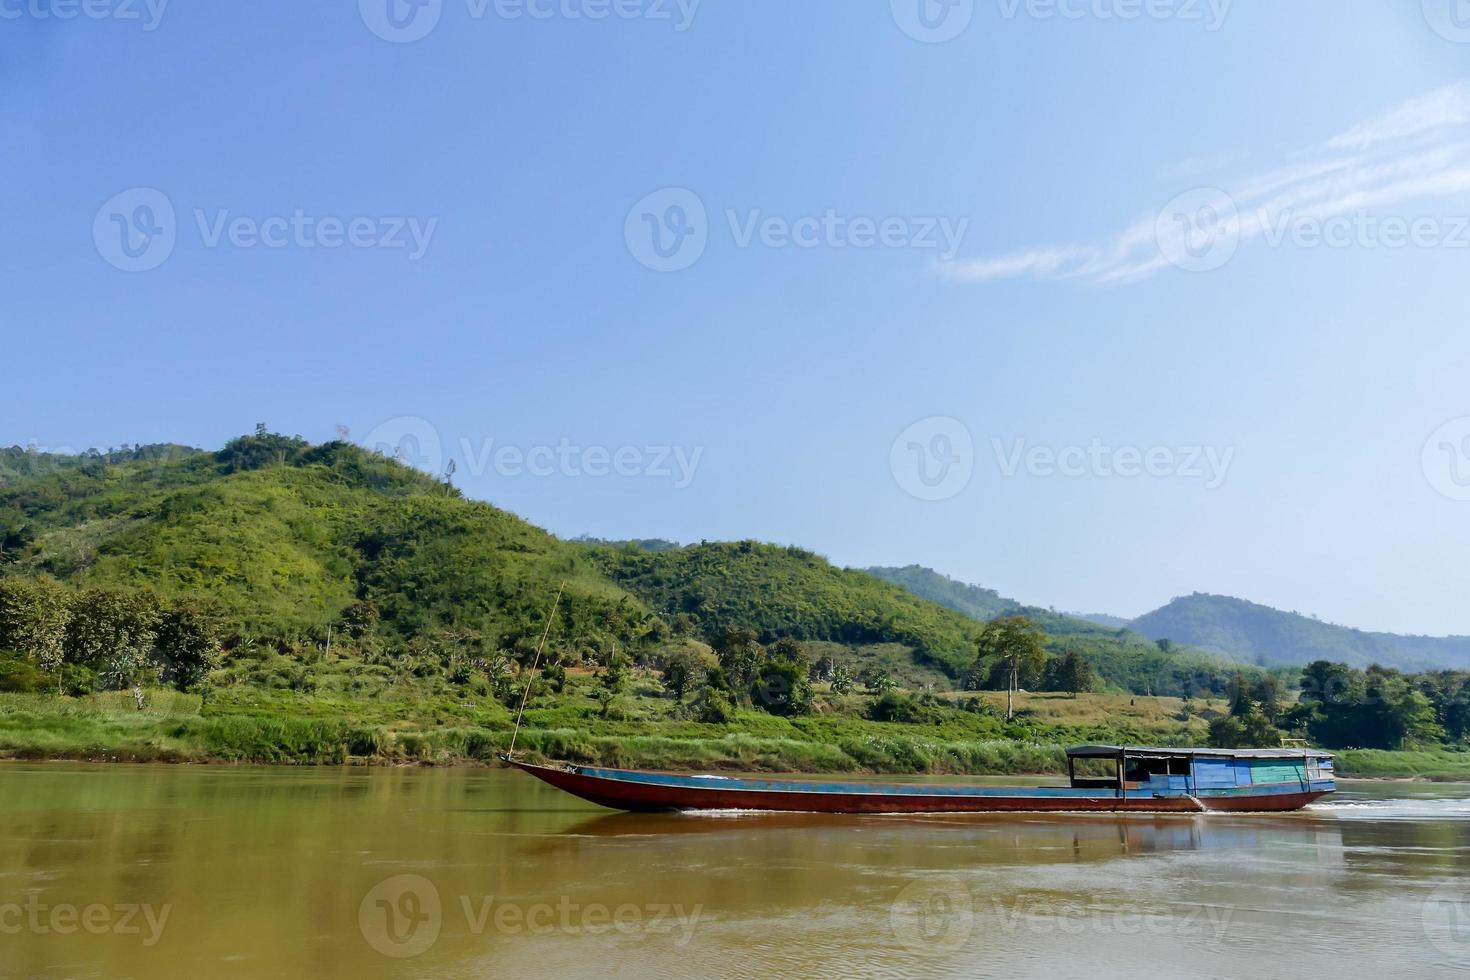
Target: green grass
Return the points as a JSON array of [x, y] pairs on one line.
[[1423, 764], [295, 728]]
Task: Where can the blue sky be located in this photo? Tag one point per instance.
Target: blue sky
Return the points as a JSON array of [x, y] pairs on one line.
[[1094, 303]]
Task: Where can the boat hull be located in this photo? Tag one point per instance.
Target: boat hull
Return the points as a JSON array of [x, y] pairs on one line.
[[652, 792]]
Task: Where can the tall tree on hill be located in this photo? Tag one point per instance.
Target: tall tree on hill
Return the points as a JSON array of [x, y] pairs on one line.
[[1016, 643]]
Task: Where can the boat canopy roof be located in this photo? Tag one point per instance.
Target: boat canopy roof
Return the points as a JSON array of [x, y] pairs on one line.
[[1113, 751]]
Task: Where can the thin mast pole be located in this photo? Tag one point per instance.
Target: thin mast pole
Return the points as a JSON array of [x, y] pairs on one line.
[[526, 694]]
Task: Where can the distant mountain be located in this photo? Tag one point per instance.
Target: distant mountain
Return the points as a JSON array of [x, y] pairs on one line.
[[1103, 619], [926, 583], [987, 604], [1258, 634], [1120, 656]]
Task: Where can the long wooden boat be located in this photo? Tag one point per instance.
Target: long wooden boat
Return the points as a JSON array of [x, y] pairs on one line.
[[1101, 778]]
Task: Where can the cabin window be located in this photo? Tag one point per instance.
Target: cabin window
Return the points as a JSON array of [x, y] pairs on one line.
[[1143, 770], [1094, 773]]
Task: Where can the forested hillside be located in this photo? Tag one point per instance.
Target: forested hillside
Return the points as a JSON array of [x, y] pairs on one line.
[[282, 601], [1263, 635]]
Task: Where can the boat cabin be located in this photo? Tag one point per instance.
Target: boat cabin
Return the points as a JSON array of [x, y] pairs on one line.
[[1188, 771]]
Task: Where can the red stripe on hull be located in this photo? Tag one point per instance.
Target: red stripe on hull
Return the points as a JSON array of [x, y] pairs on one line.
[[645, 797]]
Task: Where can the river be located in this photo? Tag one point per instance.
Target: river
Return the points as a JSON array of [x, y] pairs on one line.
[[189, 872]]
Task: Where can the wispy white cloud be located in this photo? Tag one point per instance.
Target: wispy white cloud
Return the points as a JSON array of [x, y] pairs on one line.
[[1436, 110], [1419, 150]]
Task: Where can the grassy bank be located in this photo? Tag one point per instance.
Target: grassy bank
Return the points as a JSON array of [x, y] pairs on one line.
[[1427, 764], [172, 728], [287, 728]]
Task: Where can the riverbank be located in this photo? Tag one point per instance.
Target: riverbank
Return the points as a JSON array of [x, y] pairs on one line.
[[180, 728]]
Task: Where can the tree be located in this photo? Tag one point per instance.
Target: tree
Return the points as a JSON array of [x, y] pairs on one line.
[[1377, 708], [1267, 694], [360, 619], [188, 639], [1074, 674], [114, 631], [683, 671], [1248, 730], [1015, 642], [781, 688], [33, 620], [739, 654], [880, 682], [842, 682]]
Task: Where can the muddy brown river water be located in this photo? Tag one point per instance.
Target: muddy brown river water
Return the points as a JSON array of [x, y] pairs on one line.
[[163, 872]]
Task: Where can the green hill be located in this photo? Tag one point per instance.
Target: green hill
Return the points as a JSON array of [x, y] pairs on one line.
[[1267, 636], [281, 601], [789, 592], [1123, 658], [284, 536]]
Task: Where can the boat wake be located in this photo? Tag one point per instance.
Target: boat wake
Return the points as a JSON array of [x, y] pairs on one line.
[[1400, 809]]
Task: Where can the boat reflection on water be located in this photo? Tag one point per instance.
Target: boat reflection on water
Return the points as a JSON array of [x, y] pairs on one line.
[[975, 839]]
